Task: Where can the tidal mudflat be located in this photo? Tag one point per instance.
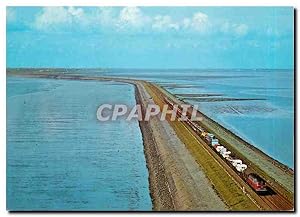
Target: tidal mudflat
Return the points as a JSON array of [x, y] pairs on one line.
[[237, 99]]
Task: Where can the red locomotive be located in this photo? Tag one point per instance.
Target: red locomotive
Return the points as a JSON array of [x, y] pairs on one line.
[[257, 183], [252, 179]]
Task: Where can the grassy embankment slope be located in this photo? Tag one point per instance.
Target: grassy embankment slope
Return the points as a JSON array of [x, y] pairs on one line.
[[223, 183]]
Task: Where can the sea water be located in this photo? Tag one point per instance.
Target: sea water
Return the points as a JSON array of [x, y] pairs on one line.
[[266, 121], [60, 157]]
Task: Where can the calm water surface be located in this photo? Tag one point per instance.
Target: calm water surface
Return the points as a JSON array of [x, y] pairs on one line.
[[268, 124], [59, 157]]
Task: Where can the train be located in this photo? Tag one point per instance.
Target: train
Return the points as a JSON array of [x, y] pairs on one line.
[[257, 183], [252, 179]]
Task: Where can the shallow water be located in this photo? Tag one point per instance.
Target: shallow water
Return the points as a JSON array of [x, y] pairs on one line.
[[59, 157], [268, 124]]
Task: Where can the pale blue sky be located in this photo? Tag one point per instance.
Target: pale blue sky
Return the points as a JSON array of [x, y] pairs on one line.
[[150, 37]]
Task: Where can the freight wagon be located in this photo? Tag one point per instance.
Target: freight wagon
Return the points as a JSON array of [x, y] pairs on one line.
[[252, 179]]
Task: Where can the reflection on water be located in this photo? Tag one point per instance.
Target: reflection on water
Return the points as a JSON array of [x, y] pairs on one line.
[[59, 157]]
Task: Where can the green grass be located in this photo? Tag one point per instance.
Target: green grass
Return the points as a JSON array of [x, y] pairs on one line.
[[209, 128], [223, 184]]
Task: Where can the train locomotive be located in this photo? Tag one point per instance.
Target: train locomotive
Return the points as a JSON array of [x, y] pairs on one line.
[[256, 183], [252, 179]]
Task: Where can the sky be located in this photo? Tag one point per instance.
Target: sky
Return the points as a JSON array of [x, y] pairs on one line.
[[150, 37]]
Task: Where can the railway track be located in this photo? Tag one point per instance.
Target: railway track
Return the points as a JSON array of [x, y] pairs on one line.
[[277, 200], [272, 200]]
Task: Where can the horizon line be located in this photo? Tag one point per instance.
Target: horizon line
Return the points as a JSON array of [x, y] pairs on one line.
[[107, 68]]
